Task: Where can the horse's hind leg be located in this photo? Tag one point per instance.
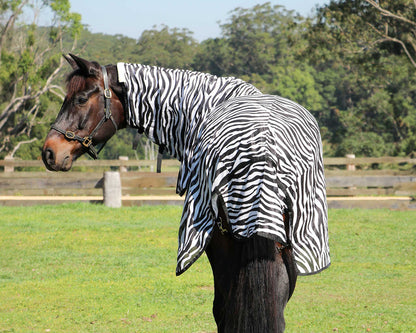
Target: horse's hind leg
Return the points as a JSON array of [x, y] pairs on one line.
[[253, 282]]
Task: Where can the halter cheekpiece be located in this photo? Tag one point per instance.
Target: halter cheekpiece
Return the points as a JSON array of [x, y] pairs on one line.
[[86, 141]]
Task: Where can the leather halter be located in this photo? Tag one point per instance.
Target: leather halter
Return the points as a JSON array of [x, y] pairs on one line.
[[86, 141]]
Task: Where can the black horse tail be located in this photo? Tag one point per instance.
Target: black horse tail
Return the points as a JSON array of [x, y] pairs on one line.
[[252, 290], [266, 281]]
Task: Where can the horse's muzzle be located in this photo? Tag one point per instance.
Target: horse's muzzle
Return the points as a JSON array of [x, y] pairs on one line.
[[56, 159]]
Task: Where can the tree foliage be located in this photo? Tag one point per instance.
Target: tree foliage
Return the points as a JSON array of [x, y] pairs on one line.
[[171, 48], [30, 66], [371, 102]]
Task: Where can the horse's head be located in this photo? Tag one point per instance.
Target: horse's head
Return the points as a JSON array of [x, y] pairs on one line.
[[90, 114]]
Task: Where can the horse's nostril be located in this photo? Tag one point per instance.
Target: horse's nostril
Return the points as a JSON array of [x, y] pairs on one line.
[[48, 155]]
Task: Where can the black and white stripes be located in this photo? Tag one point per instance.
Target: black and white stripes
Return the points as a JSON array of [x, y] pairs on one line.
[[257, 155], [167, 103]]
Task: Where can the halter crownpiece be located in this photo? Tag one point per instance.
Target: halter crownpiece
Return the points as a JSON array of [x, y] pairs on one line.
[[86, 141], [107, 97]]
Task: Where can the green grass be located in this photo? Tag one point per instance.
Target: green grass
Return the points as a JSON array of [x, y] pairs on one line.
[[371, 284], [88, 268]]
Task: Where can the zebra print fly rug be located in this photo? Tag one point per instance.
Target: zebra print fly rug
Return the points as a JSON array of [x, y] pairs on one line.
[[256, 155]]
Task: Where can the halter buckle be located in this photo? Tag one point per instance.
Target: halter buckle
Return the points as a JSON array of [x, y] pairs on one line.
[[70, 135], [86, 141], [107, 93]]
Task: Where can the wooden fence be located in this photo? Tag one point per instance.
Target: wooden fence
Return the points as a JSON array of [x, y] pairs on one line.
[[345, 177], [362, 163]]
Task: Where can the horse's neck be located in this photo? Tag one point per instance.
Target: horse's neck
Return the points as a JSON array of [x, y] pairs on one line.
[[167, 104]]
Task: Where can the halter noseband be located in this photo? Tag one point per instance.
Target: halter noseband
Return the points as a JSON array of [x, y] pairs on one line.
[[86, 141]]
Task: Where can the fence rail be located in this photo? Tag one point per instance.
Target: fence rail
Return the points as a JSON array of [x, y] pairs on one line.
[[341, 181], [329, 161], [150, 183], [89, 163], [368, 160]]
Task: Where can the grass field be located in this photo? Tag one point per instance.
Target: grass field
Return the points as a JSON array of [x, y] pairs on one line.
[[88, 268]]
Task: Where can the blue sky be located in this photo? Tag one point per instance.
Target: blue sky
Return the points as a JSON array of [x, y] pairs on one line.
[[132, 17]]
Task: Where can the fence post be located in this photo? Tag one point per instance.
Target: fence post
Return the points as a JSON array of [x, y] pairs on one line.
[[112, 189], [8, 168], [350, 167], [123, 168]]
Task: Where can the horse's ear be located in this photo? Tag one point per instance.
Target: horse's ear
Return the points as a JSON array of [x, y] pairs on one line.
[[70, 61], [87, 67]]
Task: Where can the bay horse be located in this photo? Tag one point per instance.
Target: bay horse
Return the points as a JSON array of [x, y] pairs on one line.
[[254, 276]]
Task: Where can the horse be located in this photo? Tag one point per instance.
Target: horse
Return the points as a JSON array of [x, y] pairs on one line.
[[254, 265]]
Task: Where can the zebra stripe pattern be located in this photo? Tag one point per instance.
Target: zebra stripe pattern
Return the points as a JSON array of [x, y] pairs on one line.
[[168, 103], [255, 155]]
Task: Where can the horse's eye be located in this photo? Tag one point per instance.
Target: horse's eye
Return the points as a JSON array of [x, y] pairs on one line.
[[81, 100]]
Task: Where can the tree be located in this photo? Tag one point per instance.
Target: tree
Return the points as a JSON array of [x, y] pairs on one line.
[[171, 48], [396, 24], [30, 66], [370, 102], [259, 37], [10, 10], [212, 56]]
